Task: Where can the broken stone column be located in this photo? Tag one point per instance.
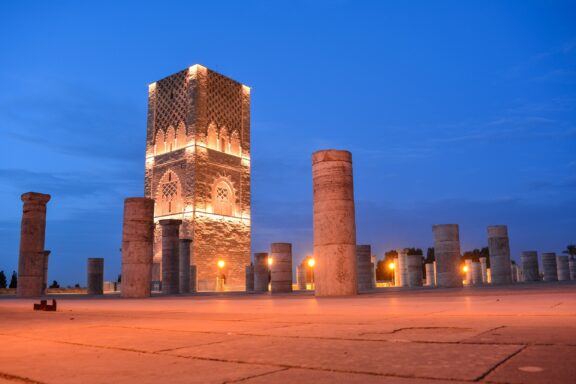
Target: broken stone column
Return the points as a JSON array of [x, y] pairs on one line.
[[45, 283], [513, 273], [193, 280], [261, 272], [563, 267], [137, 242], [281, 267], [476, 273], [301, 277], [529, 261], [402, 266], [468, 274], [184, 267], [572, 267], [373, 273], [430, 274], [95, 276], [414, 270], [250, 278], [447, 252], [364, 263], [549, 266], [499, 248], [170, 256], [484, 267], [334, 224], [32, 237]]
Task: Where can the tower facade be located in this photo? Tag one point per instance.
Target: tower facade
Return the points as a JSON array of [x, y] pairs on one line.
[[198, 170]]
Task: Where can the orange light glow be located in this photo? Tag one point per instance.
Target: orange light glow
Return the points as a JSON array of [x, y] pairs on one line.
[[269, 261], [465, 269], [311, 263], [391, 265], [221, 264]]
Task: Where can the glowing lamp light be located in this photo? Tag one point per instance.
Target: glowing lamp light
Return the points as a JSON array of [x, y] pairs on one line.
[[269, 261], [391, 265], [465, 269], [311, 263], [221, 264]]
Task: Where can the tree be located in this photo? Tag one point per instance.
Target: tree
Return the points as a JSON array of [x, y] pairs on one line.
[[570, 250], [3, 282], [413, 251], [383, 271], [54, 284], [13, 280], [476, 254], [430, 257], [119, 278]]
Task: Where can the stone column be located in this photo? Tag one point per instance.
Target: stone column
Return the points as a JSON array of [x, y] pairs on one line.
[[261, 272], [32, 237], [334, 224], [301, 277], [45, 283], [193, 279], [364, 263], [397, 274], [184, 265], [513, 273], [468, 275], [499, 248], [447, 252], [484, 267], [563, 267], [95, 276], [529, 261], [402, 268], [414, 269], [137, 242], [435, 274], [373, 274], [430, 274], [281, 267], [549, 266], [250, 278], [572, 267], [170, 256], [476, 273]]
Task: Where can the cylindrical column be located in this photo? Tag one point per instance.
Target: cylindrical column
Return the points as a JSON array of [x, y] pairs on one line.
[[476, 273], [499, 248], [334, 224], [184, 267], [170, 255], [193, 280], [301, 276], [402, 266], [414, 269], [549, 266], [513, 273], [95, 276], [261, 272], [364, 263], [373, 274], [529, 260], [563, 267], [32, 236], [137, 242], [45, 283], [430, 274], [447, 252], [250, 278], [468, 274], [572, 267], [281, 267], [484, 267]]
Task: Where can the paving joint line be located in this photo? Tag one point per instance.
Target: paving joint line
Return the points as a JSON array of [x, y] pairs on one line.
[[18, 379], [489, 371]]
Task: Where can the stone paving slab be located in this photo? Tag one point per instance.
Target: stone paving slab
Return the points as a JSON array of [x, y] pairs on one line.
[[537, 365], [528, 335], [429, 360]]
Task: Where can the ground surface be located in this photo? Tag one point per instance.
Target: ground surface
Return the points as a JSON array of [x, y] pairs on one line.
[[524, 334]]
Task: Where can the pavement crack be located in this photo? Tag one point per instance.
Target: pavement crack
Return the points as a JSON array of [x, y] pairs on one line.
[[254, 376], [18, 379], [500, 363]]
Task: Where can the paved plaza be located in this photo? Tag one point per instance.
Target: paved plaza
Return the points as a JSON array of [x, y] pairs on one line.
[[520, 334]]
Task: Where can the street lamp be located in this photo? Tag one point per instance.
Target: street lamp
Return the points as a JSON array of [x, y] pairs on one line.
[[311, 263], [221, 264]]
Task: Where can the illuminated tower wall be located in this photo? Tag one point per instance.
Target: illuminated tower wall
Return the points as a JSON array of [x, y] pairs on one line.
[[198, 169]]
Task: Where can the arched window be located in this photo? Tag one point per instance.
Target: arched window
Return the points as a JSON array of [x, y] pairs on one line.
[[181, 139], [212, 137], [223, 199], [159, 145], [235, 144], [224, 141], [169, 195], [170, 139]]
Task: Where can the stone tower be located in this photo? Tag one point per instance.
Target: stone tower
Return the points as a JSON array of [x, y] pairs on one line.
[[198, 170]]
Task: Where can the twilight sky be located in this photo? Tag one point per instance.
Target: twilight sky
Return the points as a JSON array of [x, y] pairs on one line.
[[455, 112]]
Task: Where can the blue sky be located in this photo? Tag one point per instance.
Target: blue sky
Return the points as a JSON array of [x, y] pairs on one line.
[[455, 112]]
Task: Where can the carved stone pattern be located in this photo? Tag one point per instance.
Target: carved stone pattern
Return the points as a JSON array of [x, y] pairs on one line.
[[171, 101], [224, 101]]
